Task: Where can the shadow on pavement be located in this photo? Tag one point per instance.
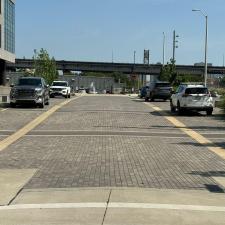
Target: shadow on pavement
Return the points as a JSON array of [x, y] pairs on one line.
[[215, 188], [214, 144], [209, 173]]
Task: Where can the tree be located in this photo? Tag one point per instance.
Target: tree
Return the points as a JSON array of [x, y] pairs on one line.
[[168, 73], [45, 66]]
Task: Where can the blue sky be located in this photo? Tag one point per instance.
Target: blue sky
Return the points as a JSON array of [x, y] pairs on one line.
[[90, 30]]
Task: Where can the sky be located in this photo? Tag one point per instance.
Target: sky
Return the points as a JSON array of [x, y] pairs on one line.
[[106, 30]]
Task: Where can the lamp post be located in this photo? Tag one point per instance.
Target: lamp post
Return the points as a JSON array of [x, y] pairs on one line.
[[164, 37], [206, 41], [175, 36]]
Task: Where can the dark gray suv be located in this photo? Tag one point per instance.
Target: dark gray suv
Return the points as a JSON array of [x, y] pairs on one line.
[[31, 90], [159, 90]]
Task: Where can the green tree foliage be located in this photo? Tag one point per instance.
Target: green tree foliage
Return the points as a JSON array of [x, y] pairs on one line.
[[45, 66], [168, 73]]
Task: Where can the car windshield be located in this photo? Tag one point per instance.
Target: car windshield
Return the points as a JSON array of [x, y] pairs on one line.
[[162, 85], [64, 84], [196, 91], [29, 82]]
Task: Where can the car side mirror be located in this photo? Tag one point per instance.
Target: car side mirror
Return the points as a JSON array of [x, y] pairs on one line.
[[47, 86]]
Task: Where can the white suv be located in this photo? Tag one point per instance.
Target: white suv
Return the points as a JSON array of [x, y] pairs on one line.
[[192, 97], [60, 88]]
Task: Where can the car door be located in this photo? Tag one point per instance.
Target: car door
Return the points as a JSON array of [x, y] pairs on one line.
[[175, 97]]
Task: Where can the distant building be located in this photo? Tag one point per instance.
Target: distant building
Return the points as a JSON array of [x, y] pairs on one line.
[[7, 35]]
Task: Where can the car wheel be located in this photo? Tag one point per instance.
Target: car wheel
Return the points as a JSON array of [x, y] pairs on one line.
[[179, 109], [52, 96], [69, 96], [12, 105], [172, 107], [209, 112], [151, 97], [146, 99]]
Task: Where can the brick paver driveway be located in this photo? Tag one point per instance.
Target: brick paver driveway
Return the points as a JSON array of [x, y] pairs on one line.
[[105, 141]]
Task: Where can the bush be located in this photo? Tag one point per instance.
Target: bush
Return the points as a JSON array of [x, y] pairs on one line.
[[222, 104]]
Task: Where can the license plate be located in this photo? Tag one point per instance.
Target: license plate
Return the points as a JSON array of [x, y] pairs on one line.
[[198, 98]]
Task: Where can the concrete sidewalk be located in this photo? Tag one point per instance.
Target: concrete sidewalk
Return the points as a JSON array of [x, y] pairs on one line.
[[125, 206]]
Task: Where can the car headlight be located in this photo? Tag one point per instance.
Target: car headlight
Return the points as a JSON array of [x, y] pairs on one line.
[[38, 91]]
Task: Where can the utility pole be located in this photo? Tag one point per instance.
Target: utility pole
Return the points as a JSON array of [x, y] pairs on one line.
[[206, 43], [174, 44], [164, 37], [112, 57]]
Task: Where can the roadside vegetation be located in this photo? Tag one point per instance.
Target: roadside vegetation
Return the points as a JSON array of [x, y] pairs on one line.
[[169, 73], [45, 66]]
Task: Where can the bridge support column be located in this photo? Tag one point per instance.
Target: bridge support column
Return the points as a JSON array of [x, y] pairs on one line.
[[2, 72]]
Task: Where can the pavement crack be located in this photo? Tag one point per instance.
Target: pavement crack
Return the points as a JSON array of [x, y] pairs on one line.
[[106, 209], [10, 202]]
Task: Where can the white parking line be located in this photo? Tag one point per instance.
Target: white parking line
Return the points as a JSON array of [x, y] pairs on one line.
[[115, 205]]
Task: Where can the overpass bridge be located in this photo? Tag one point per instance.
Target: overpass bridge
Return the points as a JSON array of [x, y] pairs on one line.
[[127, 68]]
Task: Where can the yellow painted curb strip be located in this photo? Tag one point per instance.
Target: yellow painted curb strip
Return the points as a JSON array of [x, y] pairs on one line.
[[191, 133], [31, 125]]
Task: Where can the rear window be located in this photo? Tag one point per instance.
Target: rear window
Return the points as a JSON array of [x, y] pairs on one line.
[[163, 85], [196, 91]]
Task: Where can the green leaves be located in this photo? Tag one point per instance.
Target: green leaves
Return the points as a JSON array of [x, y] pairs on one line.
[[45, 66]]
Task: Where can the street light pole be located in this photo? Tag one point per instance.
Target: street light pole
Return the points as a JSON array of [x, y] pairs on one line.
[[164, 37], [174, 44], [206, 43]]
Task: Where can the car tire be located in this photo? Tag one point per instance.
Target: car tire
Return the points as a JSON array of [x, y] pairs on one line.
[[69, 96], [180, 110], [209, 112], [172, 107], [146, 99], [42, 105], [52, 96], [12, 105]]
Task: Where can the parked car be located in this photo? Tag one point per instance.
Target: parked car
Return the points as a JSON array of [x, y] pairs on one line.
[[30, 90], [60, 88], [143, 91], [159, 90], [192, 97], [82, 91]]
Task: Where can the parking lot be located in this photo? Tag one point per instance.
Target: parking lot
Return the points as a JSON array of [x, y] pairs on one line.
[[100, 141], [113, 141]]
